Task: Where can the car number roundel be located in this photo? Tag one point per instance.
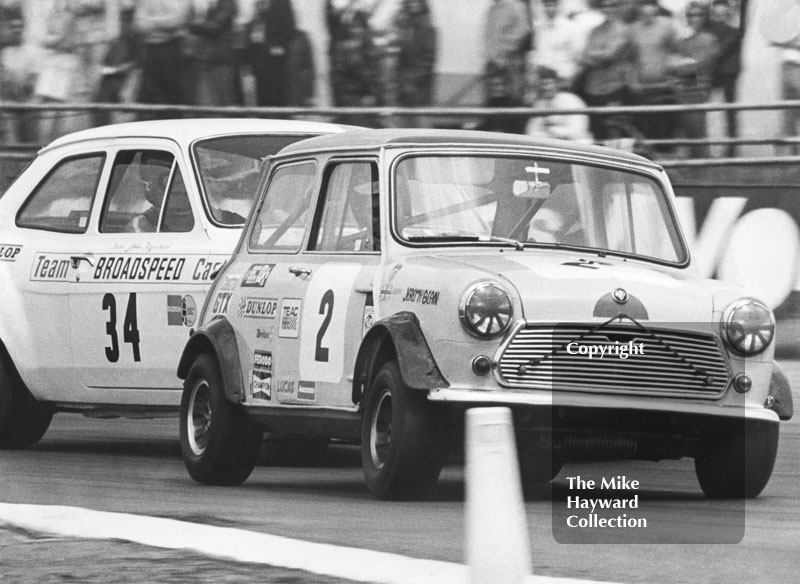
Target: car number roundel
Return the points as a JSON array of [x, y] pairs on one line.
[[323, 322]]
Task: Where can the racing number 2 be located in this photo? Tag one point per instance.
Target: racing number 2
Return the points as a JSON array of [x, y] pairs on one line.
[[321, 353], [130, 327]]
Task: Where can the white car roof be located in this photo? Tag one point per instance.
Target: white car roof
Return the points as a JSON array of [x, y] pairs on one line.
[[186, 131]]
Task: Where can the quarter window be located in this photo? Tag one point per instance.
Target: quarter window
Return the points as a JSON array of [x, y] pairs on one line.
[[146, 194], [281, 221], [63, 200]]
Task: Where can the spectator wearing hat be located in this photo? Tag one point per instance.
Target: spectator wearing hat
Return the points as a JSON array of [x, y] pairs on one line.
[[551, 94]]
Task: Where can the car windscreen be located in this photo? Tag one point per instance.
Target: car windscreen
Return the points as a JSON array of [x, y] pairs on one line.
[[535, 202], [229, 168]]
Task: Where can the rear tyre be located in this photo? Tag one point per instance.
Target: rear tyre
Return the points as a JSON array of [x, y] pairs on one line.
[[402, 438], [740, 465], [23, 419], [219, 443]]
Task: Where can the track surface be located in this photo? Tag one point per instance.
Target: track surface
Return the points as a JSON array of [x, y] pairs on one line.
[[134, 466]]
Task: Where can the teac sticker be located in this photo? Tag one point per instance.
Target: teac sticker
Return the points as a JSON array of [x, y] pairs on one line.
[[257, 307], [261, 375], [256, 275], [289, 326], [8, 253]]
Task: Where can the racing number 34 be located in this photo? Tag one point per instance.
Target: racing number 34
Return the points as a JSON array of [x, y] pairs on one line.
[[130, 327]]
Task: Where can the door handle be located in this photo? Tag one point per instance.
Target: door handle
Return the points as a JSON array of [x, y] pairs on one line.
[[77, 259], [300, 271]]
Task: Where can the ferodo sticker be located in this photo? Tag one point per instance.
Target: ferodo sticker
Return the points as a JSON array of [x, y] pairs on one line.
[[261, 375], [8, 253]]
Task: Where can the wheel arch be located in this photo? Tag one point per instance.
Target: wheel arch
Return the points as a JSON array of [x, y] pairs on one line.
[[781, 392], [398, 336], [218, 339]]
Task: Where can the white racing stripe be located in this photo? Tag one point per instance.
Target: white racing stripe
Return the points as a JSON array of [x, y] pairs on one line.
[[243, 546]]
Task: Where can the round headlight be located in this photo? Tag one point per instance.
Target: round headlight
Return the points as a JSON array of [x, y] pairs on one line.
[[748, 326], [485, 310]]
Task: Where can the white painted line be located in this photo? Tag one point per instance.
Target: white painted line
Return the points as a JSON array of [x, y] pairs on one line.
[[243, 546]]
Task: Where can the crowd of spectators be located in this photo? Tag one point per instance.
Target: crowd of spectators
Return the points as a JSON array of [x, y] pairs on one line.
[[547, 54]]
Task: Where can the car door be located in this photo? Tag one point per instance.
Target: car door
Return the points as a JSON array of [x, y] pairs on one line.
[[50, 225], [322, 291], [138, 281]]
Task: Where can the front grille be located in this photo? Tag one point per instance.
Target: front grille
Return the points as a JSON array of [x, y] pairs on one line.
[[674, 363]]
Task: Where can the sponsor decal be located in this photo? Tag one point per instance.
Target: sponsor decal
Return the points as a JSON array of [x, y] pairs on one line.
[[307, 390], [256, 307], [8, 253], [221, 302], [286, 388], [122, 268], [50, 268], [204, 268], [368, 321], [289, 326], [261, 375], [188, 310], [263, 333], [422, 296], [256, 275], [386, 287], [181, 310]]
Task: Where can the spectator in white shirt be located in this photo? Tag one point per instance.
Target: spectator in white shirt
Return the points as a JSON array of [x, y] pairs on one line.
[[550, 95]]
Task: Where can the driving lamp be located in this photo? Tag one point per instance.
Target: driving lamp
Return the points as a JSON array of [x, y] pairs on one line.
[[485, 310], [748, 326]]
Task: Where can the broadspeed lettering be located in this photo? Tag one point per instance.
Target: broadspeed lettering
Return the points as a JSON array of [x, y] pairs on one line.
[[139, 268]]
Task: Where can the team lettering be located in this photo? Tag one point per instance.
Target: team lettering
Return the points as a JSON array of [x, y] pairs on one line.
[[50, 269]]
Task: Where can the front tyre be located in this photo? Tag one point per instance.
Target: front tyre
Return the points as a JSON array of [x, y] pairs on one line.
[[219, 443], [740, 465], [402, 438], [23, 419]]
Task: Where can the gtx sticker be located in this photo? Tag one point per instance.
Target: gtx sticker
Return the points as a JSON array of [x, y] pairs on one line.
[[255, 307], [256, 275], [8, 253], [221, 302], [289, 326], [261, 376]]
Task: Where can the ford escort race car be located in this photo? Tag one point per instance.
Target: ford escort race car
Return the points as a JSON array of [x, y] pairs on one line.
[[386, 280], [109, 241]]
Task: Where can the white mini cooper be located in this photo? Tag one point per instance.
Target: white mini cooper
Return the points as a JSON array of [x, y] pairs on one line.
[[109, 242], [388, 279]]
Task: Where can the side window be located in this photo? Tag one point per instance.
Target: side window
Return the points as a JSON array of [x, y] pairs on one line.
[[281, 222], [63, 200], [349, 219], [142, 183]]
